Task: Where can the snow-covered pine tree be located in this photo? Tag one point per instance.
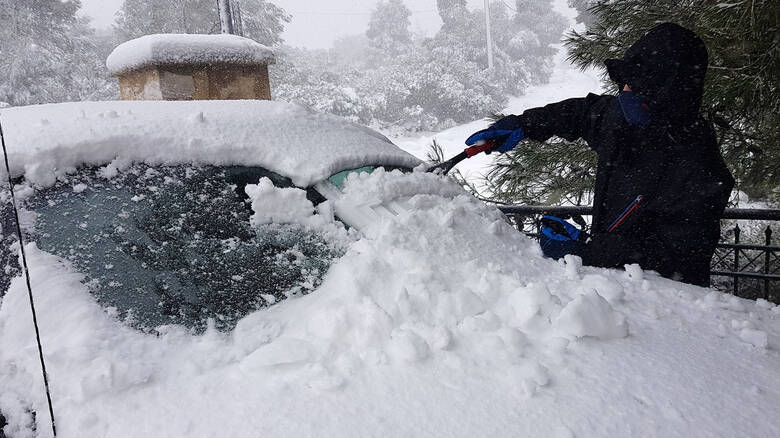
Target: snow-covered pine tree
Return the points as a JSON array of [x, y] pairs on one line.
[[49, 54], [741, 91], [388, 29], [452, 13], [582, 6], [263, 21], [538, 28], [550, 173]]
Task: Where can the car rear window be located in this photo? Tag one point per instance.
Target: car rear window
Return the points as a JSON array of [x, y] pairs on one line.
[[166, 245]]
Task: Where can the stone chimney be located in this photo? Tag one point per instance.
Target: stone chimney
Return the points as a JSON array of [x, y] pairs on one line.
[[191, 67]]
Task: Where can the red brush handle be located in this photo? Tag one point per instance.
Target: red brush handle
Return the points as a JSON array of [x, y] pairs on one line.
[[474, 150]]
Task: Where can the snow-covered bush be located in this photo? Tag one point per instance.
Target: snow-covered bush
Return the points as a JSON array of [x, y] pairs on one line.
[[50, 54], [404, 82]]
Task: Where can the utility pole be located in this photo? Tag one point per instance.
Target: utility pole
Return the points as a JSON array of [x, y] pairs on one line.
[[489, 38], [225, 16], [238, 23]]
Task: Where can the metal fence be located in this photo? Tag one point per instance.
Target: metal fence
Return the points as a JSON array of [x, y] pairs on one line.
[[746, 261]]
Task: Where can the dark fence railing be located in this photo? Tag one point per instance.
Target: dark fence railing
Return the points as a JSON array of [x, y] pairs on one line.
[[748, 266]]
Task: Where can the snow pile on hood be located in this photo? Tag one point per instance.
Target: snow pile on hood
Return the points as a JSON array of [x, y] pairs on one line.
[[48, 141], [445, 322], [168, 49]]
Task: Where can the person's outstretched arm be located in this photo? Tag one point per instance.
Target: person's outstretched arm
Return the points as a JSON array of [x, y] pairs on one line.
[[569, 119]]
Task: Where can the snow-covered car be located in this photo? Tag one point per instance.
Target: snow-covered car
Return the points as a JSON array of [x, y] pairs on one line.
[[166, 236], [428, 316]]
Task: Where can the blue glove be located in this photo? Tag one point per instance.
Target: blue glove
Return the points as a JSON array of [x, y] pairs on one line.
[[506, 131], [558, 237]]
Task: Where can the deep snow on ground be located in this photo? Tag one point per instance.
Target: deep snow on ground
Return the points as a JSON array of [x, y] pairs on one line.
[[444, 322], [46, 142]]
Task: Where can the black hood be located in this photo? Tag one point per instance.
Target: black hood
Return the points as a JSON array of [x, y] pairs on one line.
[[667, 67]]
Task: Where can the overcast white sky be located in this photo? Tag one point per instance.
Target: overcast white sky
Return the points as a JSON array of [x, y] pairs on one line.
[[316, 23]]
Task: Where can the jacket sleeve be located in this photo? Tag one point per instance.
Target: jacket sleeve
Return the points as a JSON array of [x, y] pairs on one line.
[[569, 119]]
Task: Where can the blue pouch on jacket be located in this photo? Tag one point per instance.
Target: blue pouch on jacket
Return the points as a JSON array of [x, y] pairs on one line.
[[558, 237]]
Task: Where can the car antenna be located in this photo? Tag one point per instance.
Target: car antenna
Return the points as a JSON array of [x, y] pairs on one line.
[[27, 278]]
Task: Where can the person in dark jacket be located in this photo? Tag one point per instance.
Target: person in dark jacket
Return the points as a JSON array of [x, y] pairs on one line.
[[661, 183]]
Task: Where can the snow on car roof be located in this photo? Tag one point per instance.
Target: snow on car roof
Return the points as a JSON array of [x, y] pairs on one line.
[[186, 49], [47, 141]]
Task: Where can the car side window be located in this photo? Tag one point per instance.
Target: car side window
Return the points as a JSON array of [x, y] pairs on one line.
[[174, 244]]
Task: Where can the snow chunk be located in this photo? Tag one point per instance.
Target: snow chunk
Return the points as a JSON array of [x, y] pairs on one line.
[[283, 351], [756, 337], [284, 138], [591, 315], [634, 272], [379, 186], [278, 205], [186, 49], [408, 346], [611, 290]]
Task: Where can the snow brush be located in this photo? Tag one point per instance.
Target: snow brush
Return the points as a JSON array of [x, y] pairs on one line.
[[445, 166]]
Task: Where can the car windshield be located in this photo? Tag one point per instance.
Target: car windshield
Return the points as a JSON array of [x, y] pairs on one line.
[[166, 245]]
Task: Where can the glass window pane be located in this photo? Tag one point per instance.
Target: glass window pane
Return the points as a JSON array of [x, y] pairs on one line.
[[174, 245], [338, 179]]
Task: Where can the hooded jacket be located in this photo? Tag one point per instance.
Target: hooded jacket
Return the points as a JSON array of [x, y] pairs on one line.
[[672, 165]]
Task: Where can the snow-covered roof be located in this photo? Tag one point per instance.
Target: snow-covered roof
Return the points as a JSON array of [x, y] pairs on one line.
[[47, 141], [172, 49]]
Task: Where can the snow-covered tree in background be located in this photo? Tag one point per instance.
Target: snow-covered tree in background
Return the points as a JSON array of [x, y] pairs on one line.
[[314, 79], [263, 21], [407, 82], [389, 78], [583, 14], [48, 54], [451, 13], [388, 30], [538, 29], [350, 50]]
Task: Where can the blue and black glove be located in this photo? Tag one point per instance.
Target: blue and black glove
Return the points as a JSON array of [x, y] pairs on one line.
[[505, 132], [559, 237]]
